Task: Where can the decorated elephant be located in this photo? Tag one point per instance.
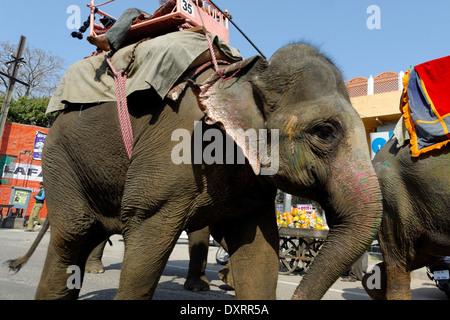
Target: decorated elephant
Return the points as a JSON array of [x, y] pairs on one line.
[[415, 228], [292, 119]]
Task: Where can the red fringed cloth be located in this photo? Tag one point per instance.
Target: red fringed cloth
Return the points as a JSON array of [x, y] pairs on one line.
[[425, 105]]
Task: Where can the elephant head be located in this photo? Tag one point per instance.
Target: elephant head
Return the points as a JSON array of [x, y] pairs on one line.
[[315, 137]]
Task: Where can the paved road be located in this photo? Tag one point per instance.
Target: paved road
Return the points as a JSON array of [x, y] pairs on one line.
[[22, 286]]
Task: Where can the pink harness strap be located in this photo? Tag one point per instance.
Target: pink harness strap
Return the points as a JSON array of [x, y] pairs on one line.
[[216, 64], [120, 79]]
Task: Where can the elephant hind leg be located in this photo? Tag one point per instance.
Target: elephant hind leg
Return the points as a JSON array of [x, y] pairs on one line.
[[94, 262], [64, 267]]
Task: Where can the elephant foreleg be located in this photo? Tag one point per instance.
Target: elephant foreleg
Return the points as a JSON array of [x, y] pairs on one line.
[[148, 245], [198, 257], [397, 258], [253, 248], [374, 282], [398, 283], [387, 280]]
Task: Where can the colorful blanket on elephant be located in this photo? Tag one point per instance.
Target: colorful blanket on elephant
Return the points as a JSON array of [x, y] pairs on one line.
[[158, 63], [425, 105]]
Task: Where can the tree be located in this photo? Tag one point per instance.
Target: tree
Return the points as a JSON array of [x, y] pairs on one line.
[[27, 110], [41, 70]]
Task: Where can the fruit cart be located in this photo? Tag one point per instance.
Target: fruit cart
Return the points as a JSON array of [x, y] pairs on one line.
[[302, 233], [298, 247]]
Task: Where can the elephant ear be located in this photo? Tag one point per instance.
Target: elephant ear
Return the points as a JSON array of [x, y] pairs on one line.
[[231, 105]]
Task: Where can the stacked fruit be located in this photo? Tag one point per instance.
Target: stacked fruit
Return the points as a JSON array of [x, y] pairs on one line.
[[300, 219]]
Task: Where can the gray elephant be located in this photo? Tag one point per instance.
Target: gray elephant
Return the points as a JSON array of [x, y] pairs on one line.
[[309, 142], [415, 228]]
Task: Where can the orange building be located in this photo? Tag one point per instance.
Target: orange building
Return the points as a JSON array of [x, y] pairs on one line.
[[20, 168], [377, 100]]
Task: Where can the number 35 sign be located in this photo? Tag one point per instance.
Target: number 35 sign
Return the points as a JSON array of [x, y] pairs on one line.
[[187, 7]]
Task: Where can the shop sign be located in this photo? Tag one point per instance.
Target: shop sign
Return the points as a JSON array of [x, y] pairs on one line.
[[22, 171]]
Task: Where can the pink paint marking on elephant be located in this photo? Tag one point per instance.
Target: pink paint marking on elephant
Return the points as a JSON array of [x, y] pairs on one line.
[[354, 178]]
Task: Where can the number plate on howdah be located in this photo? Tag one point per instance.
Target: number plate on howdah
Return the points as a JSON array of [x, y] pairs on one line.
[[187, 7]]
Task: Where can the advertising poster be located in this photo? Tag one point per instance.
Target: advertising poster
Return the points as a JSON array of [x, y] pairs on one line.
[[378, 140], [39, 145]]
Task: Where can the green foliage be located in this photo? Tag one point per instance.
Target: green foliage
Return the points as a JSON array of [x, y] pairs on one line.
[[31, 111]]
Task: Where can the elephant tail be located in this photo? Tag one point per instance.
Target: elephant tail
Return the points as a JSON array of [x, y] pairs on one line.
[[16, 264]]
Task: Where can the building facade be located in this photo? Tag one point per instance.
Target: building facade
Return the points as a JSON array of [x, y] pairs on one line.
[[377, 100], [20, 168]]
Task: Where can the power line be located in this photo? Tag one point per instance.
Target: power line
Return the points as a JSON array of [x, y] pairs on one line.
[[245, 36]]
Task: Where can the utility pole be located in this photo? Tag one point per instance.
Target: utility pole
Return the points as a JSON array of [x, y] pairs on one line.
[[12, 80]]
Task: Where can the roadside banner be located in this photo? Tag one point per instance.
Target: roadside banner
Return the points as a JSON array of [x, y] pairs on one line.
[[39, 145]]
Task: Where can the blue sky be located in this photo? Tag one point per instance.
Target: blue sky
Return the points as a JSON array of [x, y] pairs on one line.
[[411, 31]]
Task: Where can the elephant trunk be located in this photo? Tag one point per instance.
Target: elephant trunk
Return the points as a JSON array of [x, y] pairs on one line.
[[354, 213]]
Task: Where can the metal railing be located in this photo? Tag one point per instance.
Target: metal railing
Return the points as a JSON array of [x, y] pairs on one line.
[[384, 82]]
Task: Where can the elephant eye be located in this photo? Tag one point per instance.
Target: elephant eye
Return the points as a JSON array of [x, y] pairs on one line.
[[325, 136], [324, 132]]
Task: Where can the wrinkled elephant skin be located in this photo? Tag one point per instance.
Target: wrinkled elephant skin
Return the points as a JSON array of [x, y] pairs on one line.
[[415, 228], [309, 142]]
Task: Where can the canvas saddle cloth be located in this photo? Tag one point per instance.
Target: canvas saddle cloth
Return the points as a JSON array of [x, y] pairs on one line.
[[159, 63]]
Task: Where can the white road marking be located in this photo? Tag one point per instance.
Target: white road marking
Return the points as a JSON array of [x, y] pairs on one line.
[[282, 282]]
